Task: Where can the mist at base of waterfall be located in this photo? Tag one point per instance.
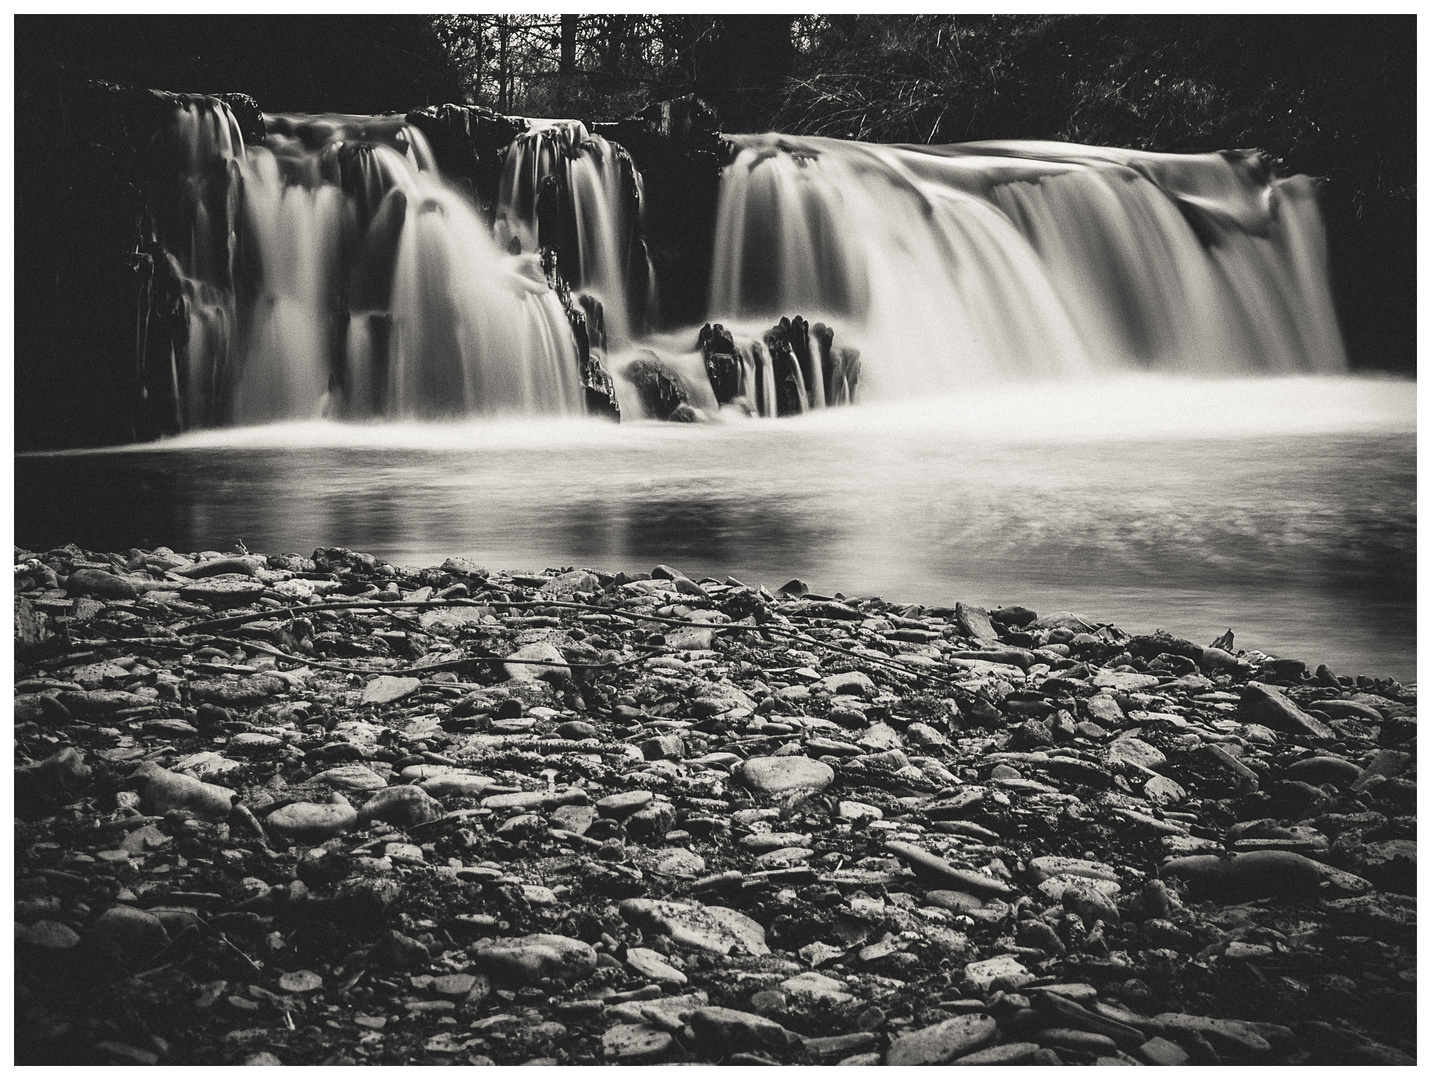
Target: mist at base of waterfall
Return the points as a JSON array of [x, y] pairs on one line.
[[1284, 508]]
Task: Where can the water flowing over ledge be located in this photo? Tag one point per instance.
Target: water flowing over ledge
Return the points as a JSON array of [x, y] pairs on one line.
[[997, 260], [333, 271]]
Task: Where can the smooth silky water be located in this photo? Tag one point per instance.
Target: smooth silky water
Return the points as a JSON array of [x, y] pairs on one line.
[[1282, 508], [1083, 378]]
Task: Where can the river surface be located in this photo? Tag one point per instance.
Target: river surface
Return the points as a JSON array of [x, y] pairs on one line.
[[1284, 509]]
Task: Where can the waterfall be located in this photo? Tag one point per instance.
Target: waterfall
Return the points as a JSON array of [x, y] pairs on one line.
[[952, 264], [565, 188], [331, 271]]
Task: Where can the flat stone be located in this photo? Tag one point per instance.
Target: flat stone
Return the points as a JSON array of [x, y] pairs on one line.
[[1162, 791], [667, 1012], [1233, 1035], [652, 965], [456, 785], [1127, 682], [879, 737], [574, 819], [1045, 867], [386, 689], [208, 766], [1259, 874], [1014, 1053], [100, 583], [245, 690], [850, 810], [1128, 750], [636, 1043], [680, 863], [314, 822], [973, 622], [46, 936], [454, 986], [941, 1043], [1261, 704], [1074, 1039], [1384, 916], [552, 668], [785, 856], [1160, 1051], [1324, 770], [163, 791], [711, 929], [1088, 899], [222, 592], [525, 960], [810, 984], [728, 1031], [255, 744], [827, 1048], [778, 775], [300, 982], [856, 683], [771, 841], [623, 804], [981, 974]]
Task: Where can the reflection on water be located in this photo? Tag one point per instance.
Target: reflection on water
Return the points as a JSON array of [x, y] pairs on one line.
[[1284, 509]]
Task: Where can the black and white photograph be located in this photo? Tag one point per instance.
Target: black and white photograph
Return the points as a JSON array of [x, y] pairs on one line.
[[641, 540]]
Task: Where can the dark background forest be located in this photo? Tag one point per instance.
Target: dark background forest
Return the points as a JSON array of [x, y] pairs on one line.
[[1333, 96]]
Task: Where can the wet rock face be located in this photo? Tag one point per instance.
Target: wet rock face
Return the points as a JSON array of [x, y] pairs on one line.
[[661, 390], [396, 815]]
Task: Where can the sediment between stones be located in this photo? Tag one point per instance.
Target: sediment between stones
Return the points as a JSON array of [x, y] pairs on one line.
[[331, 810]]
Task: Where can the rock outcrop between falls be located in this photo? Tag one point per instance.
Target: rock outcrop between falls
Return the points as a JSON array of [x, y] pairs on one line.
[[300, 810]]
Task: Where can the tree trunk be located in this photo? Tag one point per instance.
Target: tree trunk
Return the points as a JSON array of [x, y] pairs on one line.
[[504, 104], [566, 72]]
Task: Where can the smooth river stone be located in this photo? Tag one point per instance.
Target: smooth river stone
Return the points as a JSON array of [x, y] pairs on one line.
[[732, 1031], [386, 689], [1259, 874], [819, 987], [403, 806], [711, 929], [623, 804], [636, 1042], [777, 775], [352, 778], [933, 866], [525, 960], [1049, 866], [1262, 704], [943, 1042], [1128, 750], [457, 785], [314, 822], [652, 965]]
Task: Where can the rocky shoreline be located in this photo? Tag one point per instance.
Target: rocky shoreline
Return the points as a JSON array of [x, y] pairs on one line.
[[280, 809]]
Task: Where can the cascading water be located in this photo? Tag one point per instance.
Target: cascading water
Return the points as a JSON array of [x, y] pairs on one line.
[[561, 179], [964, 263], [331, 271], [348, 280]]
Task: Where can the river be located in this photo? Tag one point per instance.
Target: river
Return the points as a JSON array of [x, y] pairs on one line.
[[1284, 509]]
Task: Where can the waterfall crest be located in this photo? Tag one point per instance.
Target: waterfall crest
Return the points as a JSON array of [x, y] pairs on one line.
[[1005, 259]]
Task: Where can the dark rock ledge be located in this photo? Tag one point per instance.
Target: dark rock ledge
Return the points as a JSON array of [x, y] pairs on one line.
[[329, 810]]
